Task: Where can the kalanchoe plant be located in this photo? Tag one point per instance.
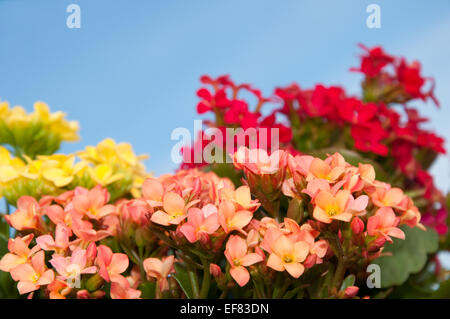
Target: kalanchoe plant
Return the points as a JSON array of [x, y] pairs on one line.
[[195, 235]]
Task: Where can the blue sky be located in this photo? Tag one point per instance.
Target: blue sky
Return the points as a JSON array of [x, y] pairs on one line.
[[132, 70]]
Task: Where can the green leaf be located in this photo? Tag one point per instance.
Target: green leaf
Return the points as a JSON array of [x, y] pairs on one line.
[[148, 289], [348, 281], [443, 292], [295, 209], [409, 256], [182, 278]]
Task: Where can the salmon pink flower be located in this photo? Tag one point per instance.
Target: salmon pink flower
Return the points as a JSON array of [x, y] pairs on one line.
[[19, 253], [61, 241], [316, 185], [340, 206], [34, 275], [73, 266], [174, 210], [153, 191], [326, 169], [387, 197], [411, 215], [200, 224], [241, 197], [367, 173], [238, 257], [59, 215], [384, 224], [288, 255], [317, 251], [230, 219], [258, 161], [300, 164], [121, 289], [85, 232], [92, 203], [27, 215], [58, 289], [110, 265], [160, 269]]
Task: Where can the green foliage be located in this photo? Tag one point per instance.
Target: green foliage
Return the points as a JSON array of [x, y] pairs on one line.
[[443, 292], [348, 282], [30, 140], [182, 277], [148, 289], [408, 257]]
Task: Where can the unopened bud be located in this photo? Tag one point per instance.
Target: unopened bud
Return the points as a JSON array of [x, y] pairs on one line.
[[94, 283], [351, 291], [357, 225], [215, 270]]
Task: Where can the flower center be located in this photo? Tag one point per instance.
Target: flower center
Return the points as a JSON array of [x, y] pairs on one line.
[[332, 210], [288, 259], [176, 214], [35, 277]]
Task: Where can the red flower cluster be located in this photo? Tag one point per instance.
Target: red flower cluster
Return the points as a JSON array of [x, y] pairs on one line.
[[392, 79]]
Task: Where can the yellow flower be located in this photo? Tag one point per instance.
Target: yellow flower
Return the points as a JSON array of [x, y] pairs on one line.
[[103, 174], [107, 151], [60, 169], [10, 168], [38, 133]]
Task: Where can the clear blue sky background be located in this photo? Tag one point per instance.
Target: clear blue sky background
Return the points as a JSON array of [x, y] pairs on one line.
[[132, 70]]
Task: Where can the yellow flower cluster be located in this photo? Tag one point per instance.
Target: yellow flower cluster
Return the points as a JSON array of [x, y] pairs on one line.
[[112, 165], [36, 133]]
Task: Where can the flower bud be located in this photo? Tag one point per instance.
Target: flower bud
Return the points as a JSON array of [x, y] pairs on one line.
[[91, 252], [351, 291], [94, 283], [215, 270], [357, 225]]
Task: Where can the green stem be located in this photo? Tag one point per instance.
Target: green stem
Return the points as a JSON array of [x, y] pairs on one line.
[[7, 212], [194, 283], [224, 293], [259, 287], [206, 280], [339, 274]]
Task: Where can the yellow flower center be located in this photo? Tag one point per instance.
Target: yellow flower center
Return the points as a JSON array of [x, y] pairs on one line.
[[237, 262], [288, 259], [333, 210], [176, 214], [35, 278]]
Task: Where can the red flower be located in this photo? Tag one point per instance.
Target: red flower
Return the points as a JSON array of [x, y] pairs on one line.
[[209, 101], [238, 114], [374, 61]]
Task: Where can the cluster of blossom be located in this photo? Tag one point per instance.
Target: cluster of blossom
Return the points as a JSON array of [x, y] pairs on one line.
[[39, 132], [326, 117], [109, 164], [79, 244]]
